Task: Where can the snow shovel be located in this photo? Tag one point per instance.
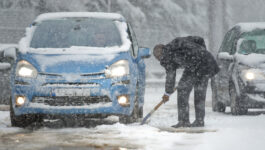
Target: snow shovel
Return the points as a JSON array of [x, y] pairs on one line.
[[153, 110]]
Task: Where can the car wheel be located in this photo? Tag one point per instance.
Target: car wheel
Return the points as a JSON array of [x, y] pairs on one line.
[[140, 109], [140, 112], [219, 107], [131, 118], [236, 109], [22, 120], [216, 105]]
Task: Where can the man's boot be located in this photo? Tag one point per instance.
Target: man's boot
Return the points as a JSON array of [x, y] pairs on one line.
[[182, 124], [198, 123]]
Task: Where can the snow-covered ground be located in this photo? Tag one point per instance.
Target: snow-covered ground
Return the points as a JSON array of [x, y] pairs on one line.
[[222, 131]]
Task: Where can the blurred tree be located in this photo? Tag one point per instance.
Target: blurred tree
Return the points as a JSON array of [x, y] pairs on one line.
[[25, 4], [218, 23], [41, 7], [6, 4]]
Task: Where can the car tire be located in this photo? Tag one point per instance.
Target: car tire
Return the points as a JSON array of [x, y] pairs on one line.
[[140, 109], [124, 119], [140, 112], [22, 120], [236, 109], [216, 105], [219, 107]]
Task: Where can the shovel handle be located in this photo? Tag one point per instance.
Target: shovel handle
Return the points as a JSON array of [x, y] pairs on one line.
[[158, 105], [153, 110]]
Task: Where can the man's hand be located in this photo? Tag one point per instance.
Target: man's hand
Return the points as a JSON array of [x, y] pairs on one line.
[[165, 98]]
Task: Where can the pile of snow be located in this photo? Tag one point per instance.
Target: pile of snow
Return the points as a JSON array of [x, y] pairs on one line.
[[5, 123], [223, 131]]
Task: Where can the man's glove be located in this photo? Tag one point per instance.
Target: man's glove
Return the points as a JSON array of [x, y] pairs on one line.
[[165, 98]]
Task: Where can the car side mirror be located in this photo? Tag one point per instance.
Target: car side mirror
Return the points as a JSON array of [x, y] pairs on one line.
[[144, 53], [225, 56], [10, 52], [4, 66]]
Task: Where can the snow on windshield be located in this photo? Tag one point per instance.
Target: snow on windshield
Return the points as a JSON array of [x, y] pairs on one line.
[[65, 33], [75, 33], [48, 16]]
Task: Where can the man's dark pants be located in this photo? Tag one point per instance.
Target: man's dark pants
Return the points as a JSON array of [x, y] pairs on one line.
[[188, 81]]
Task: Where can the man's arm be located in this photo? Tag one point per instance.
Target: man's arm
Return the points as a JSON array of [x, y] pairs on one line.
[[170, 80], [170, 83]]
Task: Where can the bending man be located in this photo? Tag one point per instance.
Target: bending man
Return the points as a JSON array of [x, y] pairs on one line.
[[199, 65]]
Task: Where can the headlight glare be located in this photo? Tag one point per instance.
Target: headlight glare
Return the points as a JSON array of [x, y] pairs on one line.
[[20, 100], [123, 100], [25, 69], [253, 74], [250, 75], [118, 69]]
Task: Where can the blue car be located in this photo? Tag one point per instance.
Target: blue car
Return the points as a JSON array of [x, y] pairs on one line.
[[78, 63]]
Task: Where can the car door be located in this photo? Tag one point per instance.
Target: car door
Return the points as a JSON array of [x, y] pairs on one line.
[[139, 65], [225, 62]]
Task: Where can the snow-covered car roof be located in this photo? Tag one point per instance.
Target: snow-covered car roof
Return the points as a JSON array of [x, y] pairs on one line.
[[117, 18], [56, 15], [250, 26]]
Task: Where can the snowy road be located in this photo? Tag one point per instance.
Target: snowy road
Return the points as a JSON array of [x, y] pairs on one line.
[[242, 132]]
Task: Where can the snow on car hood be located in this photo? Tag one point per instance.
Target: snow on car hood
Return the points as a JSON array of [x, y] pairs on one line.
[[252, 60], [75, 64]]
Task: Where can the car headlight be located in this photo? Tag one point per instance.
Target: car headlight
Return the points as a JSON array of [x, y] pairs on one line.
[[25, 69], [253, 74], [118, 69]]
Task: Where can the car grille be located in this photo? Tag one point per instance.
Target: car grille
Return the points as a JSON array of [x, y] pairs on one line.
[[71, 84], [70, 101], [93, 75]]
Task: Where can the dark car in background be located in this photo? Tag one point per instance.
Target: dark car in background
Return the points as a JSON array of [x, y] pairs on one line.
[[5, 65], [240, 83]]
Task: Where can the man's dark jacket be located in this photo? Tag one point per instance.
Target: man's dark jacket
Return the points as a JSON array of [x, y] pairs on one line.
[[189, 53]]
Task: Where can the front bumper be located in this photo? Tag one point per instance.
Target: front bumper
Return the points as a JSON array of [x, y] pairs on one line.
[[37, 89], [254, 95]]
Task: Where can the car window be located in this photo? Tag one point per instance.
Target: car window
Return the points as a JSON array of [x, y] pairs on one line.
[[64, 33], [252, 42], [229, 42], [233, 42], [225, 42]]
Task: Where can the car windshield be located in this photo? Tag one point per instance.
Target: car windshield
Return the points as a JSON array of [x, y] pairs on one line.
[[252, 42], [65, 33]]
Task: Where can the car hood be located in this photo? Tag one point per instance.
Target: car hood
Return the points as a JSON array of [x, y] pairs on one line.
[[251, 60], [70, 63]]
